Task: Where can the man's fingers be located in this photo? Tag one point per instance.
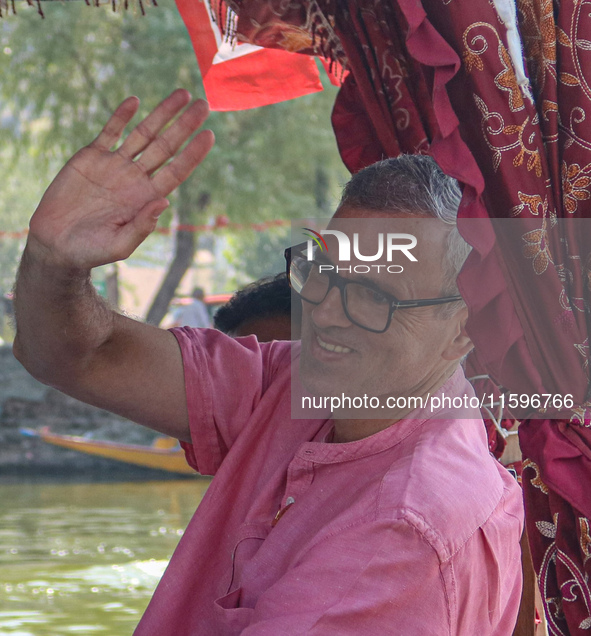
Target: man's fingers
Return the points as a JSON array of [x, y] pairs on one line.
[[111, 133], [137, 230], [172, 175], [166, 145], [147, 130]]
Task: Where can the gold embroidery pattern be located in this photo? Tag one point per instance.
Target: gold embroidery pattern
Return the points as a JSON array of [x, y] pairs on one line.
[[536, 248], [532, 203], [575, 182], [537, 480], [475, 45], [581, 415], [539, 38], [493, 125], [583, 350], [585, 538], [573, 589]]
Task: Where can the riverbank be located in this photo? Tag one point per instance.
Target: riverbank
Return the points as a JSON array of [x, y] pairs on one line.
[[26, 403]]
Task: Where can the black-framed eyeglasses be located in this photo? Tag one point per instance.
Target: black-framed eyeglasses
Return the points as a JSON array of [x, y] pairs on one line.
[[365, 305]]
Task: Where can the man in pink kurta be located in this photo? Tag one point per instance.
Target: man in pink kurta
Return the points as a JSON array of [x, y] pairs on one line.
[[358, 521], [411, 531]]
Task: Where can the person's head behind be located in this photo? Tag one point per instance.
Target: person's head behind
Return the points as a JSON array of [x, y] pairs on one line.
[[263, 308], [198, 293], [420, 346]]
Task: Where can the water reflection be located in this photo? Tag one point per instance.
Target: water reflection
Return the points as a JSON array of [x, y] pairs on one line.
[[85, 558]]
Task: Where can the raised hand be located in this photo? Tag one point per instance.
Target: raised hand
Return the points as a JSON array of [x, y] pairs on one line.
[[104, 203]]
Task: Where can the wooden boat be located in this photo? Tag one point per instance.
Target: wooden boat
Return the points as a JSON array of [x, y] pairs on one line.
[[164, 454]]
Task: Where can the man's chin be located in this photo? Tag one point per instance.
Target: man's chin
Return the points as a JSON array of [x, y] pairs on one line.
[[319, 383], [327, 379]]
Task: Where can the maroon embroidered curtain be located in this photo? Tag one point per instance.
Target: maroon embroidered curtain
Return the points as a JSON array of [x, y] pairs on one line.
[[444, 77]]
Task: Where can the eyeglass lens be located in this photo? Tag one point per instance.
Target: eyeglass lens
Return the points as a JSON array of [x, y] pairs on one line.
[[364, 306]]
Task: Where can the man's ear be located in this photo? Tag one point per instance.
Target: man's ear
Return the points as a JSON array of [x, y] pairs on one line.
[[460, 344]]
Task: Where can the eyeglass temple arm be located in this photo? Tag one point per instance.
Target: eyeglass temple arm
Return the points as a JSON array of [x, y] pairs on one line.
[[426, 301]]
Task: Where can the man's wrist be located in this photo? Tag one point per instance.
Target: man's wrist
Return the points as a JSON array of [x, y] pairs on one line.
[[59, 300], [45, 275], [38, 254]]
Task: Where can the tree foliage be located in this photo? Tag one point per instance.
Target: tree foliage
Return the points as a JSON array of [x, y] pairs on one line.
[[60, 78], [254, 255]]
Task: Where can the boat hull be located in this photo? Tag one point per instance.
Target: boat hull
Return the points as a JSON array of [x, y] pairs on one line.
[[167, 459]]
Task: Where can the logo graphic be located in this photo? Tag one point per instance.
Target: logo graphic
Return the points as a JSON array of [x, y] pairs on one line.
[[316, 236], [392, 243]]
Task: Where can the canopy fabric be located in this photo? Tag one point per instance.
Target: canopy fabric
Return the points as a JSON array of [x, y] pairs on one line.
[[447, 77], [241, 76]]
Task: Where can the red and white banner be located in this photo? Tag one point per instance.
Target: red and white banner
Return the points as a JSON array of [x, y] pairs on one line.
[[237, 76]]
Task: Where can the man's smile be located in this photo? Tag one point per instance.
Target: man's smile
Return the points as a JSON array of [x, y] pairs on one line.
[[333, 348], [324, 349]]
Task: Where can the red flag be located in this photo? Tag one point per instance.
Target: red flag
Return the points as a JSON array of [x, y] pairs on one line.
[[237, 76]]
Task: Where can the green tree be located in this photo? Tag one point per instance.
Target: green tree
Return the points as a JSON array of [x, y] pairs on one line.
[[60, 78], [254, 255], [17, 194]]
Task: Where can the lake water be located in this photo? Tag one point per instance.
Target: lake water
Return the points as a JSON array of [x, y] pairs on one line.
[[85, 558]]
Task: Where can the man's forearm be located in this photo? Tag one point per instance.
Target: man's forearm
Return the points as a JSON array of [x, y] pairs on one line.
[[61, 321], [100, 207]]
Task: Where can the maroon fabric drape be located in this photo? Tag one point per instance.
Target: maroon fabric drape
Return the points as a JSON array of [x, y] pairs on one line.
[[438, 76]]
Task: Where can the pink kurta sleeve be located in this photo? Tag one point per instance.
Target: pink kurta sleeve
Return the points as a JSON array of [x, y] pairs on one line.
[[225, 379]]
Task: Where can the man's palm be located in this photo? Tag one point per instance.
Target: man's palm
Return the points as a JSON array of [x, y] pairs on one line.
[[104, 203]]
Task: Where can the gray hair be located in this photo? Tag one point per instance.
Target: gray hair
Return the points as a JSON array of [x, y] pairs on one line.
[[414, 184]]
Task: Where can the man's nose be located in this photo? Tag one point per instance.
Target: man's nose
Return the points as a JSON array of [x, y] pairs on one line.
[[330, 312]]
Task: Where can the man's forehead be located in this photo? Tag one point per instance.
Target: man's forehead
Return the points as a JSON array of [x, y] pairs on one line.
[[402, 253]]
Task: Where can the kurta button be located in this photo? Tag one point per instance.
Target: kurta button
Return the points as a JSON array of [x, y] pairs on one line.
[[288, 503]]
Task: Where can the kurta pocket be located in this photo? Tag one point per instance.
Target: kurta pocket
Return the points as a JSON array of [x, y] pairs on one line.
[[250, 539], [232, 618]]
